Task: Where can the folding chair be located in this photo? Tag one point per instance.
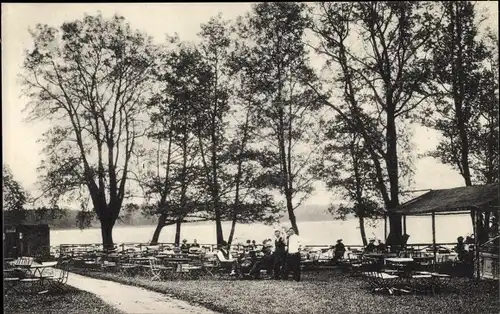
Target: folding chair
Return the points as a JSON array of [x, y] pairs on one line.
[[60, 277], [155, 270]]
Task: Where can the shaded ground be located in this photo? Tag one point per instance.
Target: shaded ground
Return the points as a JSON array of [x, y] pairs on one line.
[[319, 292], [70, 301], [132, 299]]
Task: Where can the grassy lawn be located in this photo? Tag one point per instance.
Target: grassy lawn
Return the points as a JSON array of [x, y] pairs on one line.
[[71, 301], [319, 292]]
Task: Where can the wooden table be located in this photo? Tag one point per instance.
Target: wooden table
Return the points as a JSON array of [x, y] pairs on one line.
[[34, 274]]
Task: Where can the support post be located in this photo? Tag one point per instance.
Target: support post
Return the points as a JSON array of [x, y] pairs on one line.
[[385, 228], [404, 224], [476, 244], [434, 248]]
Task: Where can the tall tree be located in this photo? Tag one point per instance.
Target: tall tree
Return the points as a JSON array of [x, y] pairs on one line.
[[211, 121], [466, 111], [90, 79], [458, 56], [382, 81], [279, 58], [252, 199], [181, 75]]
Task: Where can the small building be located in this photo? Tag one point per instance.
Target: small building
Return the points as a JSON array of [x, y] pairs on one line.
[[27, 236], [26, 240], [478, 199]]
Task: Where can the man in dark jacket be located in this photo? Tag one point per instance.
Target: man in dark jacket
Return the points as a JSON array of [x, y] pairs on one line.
[[370, 247], [339, 250], [279, 254]]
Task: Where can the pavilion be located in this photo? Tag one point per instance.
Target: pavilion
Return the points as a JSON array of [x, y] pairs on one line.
[[475, 199]]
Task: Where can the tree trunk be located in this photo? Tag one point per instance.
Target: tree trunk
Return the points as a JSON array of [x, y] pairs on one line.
[[107, 234], [231, 233], [395, 236], [291, 214], [159, 227], [362, 230], [177, 240]]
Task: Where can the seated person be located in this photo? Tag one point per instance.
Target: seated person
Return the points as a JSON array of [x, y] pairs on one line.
[[184, 246], [381, 247], [370, 248], [265, 262], [195, 247], [224, 256], [177, 249], [339, 250], [247, 261], [195, 243]]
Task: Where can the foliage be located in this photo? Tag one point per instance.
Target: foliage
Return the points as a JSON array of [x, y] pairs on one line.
[[15, 199], [14, 195], [90, 79], [466, 109], [176, 188], [278, 58], [382, 81]]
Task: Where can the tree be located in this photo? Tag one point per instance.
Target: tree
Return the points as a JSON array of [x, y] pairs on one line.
[[382, 81], [211, 119], [182, 75], [275, 33], [14, 195], [252, 197], [458, 55], [90, 79], [466, 110], [16, 202], [345, 167]]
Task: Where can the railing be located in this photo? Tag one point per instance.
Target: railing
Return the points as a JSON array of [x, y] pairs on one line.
[[75, 249]]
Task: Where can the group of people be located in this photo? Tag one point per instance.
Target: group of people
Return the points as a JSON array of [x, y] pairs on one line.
[[372, 248], [189, 247], [278, 257]]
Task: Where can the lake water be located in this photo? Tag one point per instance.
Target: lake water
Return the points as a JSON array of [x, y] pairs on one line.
[[448, 228]]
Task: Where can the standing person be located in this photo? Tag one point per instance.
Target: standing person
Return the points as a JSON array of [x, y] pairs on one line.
[[460, 248], [293, 255], [279, 254]]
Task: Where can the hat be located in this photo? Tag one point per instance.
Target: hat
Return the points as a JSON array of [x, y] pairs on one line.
[[184, 240], [372, 240], [339, 240]]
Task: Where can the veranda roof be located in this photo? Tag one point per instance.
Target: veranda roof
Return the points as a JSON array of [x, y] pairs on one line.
[[482, 197]]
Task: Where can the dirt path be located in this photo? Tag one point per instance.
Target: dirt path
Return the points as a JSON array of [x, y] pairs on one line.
[[131, 299]]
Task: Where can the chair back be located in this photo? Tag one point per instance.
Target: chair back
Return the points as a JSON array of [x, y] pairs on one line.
[[63, 266]]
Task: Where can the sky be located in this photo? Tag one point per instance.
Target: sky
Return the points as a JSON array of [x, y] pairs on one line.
[[20, 149]]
